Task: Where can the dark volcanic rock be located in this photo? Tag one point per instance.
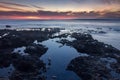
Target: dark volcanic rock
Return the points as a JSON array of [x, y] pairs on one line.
[[8, 26], [102, 32], [20, 76], [27, 68], [86, 44], [61, 35], [36, 49], [5, 60], [116, 67], [10, 41], [89, 68], [18, 38], [92, 67], [64, 41], [27, 64]]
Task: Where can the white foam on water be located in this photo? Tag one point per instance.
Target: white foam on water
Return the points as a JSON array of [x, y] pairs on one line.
[[20, 50]]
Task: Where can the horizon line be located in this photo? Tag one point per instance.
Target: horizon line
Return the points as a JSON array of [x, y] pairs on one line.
[[69, 19]]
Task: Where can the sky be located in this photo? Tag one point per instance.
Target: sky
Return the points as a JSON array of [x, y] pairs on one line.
[[59, 9]]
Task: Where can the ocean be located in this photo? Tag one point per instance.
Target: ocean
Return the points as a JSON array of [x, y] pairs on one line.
[[60, 23], [110, 26], [107, 31]]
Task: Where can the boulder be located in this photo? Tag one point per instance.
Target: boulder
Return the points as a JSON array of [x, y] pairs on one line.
[[27, 64], [36, 49], [84, 43], [8, 26], [5, 60], [89, 68]]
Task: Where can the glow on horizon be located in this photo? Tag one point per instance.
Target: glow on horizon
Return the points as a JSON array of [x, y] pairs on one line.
[[58, 9], [37, 17]]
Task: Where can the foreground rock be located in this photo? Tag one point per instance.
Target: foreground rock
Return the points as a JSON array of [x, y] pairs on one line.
[[27, 68], [27, 63], [4, 79], [92, 68], [5, 60], [24, 66], [26, 76], [102, 62], [36, 49], [86, 44], [89, 68], [17, 38]]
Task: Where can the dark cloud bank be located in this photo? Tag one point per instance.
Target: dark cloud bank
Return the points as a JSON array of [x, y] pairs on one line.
[[69, 14]]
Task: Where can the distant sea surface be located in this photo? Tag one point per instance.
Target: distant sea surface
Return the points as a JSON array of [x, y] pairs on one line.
[[110, 26], [61, 23]]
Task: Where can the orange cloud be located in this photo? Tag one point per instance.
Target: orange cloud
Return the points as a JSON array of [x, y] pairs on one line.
[[40, 14]]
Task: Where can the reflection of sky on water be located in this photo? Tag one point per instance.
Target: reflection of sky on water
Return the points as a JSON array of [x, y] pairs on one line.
[[60, 58], [5, 72]]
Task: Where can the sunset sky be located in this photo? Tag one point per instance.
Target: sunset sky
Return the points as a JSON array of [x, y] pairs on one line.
[[59, 9]]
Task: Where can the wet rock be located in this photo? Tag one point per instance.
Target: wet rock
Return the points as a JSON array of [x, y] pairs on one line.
[[24, 66], [99, 28], [26, 76], [8, 26], [10, 41], [4, 79], [27, 67], [5, 60], [116, 67], [49, 61], [36, 49], [64, 41], [18, 38], [117, 30], [102, 32], [91, 31], [89, 68], [65, 35], [17, 76], [86, 44], [82, 36], [27, 64]]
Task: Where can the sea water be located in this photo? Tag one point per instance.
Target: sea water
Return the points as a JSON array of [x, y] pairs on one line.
[[110, 26], [62, 55]]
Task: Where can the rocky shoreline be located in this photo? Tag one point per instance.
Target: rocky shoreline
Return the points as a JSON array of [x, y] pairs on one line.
[[101, 62], [27, 67], [96, 65]]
